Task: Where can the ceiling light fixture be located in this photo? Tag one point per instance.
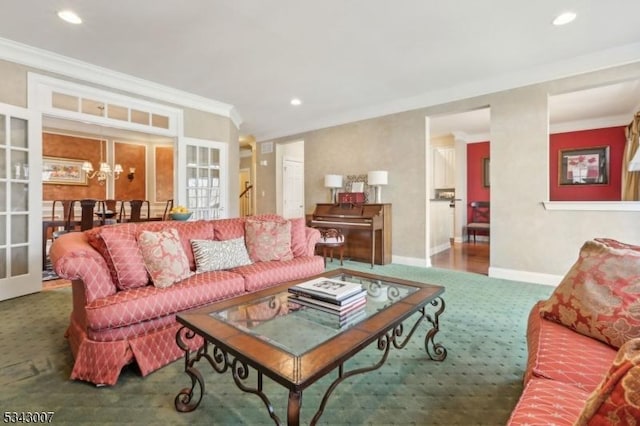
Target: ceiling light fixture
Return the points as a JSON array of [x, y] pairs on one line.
[[296, 102], [69, 16], [564, 18]]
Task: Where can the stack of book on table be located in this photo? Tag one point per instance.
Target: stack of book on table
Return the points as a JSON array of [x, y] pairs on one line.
[[345, 301]]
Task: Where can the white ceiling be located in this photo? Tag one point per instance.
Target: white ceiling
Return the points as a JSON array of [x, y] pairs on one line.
[[346, 59]]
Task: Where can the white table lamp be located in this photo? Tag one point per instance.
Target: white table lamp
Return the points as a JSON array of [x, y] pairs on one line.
[[333, 182], [377, 179]]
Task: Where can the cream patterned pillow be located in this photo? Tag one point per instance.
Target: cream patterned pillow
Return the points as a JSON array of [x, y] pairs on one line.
[[213, 255], [164, 257]]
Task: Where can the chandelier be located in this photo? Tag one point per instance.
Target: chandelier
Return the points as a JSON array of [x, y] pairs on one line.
[[104, 170]]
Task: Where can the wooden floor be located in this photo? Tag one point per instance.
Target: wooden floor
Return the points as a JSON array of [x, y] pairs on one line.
[[468, 257]]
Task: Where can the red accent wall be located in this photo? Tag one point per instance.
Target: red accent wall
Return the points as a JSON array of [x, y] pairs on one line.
[[476, 191], [614, 137]]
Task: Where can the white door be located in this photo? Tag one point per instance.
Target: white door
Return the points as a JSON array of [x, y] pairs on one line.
[[293, 188], [202, 176], [20, 197]]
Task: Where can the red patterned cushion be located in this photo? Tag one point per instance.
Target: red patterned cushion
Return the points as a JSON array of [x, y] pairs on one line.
[[298, 237], [136, 307], [265, 274], [617, 399], [164, 257], [268, 240], [566, 356], [125, 257], [599, 295], [548, 402]]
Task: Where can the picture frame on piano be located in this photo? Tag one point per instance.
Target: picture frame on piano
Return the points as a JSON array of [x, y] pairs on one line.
[[354, 182]]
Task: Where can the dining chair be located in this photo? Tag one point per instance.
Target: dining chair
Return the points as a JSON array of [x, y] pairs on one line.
[[167, 209], [134, 213], [87, 218], [108, 211], [67, 215]]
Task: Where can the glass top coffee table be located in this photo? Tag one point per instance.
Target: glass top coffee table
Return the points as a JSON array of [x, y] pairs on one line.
[[296, 345]]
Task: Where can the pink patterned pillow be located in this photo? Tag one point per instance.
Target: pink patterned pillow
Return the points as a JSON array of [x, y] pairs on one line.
[[164, 257], [599, 295], [268, 240], [125, 257]]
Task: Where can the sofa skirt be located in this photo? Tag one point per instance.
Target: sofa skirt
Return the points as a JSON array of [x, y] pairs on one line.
[[101, 362]]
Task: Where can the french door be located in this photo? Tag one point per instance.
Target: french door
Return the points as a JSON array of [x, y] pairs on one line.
[[202, 176], [20, 195]]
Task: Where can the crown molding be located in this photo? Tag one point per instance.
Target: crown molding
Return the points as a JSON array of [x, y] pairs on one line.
[[592, 123], [608, 58], [44, 60]]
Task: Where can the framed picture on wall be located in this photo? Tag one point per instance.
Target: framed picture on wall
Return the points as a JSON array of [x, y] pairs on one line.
[[485, 172], [585, 166], [63, 171]]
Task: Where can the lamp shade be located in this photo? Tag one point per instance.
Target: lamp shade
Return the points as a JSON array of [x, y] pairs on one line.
[[376, 178], [333, 181]]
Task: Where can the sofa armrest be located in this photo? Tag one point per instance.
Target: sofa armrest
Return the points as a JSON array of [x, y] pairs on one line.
[[73, 258], [312, 236], [618, 395]]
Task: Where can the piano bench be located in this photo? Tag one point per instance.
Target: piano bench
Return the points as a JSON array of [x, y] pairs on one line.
[[330, 239]]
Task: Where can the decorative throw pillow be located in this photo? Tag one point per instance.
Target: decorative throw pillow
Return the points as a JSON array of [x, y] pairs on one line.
[[215, 255], [618, 395], [164, 257], [268, 240], [600, 295], [125, 257]]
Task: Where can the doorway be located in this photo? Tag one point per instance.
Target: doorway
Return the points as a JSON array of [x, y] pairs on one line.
[[448, 175]]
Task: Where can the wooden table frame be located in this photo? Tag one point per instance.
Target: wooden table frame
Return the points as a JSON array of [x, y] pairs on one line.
[[227, 348]]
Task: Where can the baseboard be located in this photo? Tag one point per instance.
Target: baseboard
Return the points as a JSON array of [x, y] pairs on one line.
[[525, 276], [411, 261], [441, 247]]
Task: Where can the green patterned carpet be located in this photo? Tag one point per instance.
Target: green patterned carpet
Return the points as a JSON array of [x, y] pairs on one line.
[[482, 328]]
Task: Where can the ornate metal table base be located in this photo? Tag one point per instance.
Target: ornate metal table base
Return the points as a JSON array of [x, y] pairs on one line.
[[188, 399]]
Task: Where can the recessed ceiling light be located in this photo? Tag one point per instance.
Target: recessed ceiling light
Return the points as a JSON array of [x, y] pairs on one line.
[[69, 16], [296, 102], [564, 18]]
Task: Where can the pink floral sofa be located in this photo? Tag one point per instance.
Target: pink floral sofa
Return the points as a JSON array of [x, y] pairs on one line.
[[130, 280], [584, 344]]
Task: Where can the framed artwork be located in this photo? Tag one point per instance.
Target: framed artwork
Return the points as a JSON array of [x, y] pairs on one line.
[[585, 166], [63, 171], [485, 172], [357, 182]]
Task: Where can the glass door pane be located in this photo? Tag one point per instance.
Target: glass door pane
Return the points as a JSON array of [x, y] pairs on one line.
[[19, 191], [203, 182]]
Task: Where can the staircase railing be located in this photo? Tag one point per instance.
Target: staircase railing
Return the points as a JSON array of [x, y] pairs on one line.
[[246, 206]]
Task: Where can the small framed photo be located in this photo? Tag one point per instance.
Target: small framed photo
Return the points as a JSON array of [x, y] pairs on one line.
[[63, 171], [357, 187], [485, 172], [586, 166]]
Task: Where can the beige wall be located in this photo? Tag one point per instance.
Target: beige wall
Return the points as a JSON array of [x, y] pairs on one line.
[[395, 143], [526, 239]]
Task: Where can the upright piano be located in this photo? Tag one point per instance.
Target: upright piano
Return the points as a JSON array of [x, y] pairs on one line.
[[366, 228]]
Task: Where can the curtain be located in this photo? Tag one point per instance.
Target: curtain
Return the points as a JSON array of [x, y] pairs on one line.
[[631, 180]]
